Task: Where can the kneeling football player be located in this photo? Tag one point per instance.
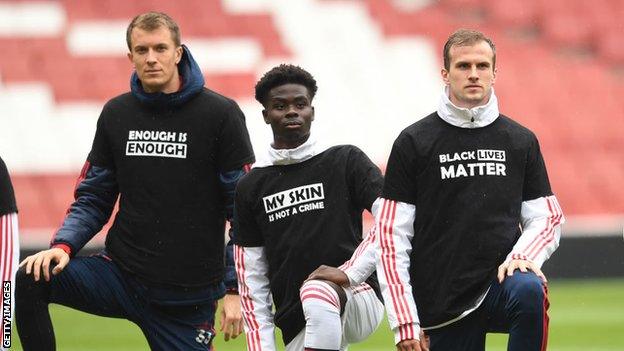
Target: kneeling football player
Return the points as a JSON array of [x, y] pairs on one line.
[[301, 207]]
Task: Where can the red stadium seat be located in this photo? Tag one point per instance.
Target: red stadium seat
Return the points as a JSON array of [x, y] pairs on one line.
[[81, 78], [232, 85], [513, 14], [566, 31], [610, 47]]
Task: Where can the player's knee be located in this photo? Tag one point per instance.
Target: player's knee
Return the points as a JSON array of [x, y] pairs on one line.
[[23, 281], [27, 290], [529, 293], [319, 300]]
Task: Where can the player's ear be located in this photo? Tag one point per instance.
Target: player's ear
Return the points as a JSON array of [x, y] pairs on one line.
[[445, 76], [265, 115], [178, 55], [494, 75], [130, 57], [312, 119]]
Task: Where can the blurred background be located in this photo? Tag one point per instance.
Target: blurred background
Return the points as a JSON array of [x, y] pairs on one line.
[[377, 62]]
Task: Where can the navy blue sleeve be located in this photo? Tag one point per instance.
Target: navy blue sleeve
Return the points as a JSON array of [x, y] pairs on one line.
[[228, 182], [95, 197]]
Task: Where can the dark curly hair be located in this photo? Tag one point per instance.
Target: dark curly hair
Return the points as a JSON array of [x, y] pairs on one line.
[[284, 74]]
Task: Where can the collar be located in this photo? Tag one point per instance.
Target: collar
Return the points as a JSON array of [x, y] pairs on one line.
[[462, 117], [282, 157]]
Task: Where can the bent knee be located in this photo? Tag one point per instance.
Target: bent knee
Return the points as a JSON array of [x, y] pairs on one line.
[[528, 284], [23, 280], [317, 296], [26, 288], [528, 291], [323, 287]]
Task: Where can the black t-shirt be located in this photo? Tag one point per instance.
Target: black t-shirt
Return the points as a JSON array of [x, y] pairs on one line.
[[305, 215], [171, 220], [468, 186], [7, 196]]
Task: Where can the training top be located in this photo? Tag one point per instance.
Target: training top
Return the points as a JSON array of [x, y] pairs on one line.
[[166, 155], [476, 186], [304, 214], [167, 165], [7, 195]]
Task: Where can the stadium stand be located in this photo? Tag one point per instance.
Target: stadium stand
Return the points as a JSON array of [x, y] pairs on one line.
[[570, 98], [62, 55], [560, 72]]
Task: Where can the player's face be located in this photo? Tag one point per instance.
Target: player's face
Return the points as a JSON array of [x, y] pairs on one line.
[[155, 58], [290, 113], [471, 74]]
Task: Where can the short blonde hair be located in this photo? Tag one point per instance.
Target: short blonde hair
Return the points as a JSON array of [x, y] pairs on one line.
[[465, 37], [150, 21]]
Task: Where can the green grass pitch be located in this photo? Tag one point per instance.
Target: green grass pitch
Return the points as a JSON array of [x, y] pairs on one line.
[[584, 315]]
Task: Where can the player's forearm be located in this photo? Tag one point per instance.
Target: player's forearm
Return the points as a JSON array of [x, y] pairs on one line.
[[230, 281], [255, 294], [363, 261], [228, 181], [395, 223], [95, 196], [541, 230]]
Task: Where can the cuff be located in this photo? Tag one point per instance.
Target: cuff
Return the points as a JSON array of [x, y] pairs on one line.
[[231, 284], [406, 332], [354, 277], [63, 247], [517, 256]]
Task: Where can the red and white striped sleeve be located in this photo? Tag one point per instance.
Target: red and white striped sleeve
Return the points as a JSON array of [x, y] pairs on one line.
[[9, 258], [541, 229], [395, 224], [363, 261], [253, 287]]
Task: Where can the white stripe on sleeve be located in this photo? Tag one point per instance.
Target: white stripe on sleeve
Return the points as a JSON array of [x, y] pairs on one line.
[[395, 223], [256, 301], [541, 230]]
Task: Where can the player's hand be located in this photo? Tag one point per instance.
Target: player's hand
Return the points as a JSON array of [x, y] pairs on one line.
[[231, 317], [331, 274], [424, 341], [409, 345], [40, 262], [508, 267], [421, 344]]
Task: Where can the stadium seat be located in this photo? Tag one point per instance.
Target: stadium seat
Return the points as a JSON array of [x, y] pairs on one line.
[[236, 85], [567, 31], [610, 48], [512, 14]]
